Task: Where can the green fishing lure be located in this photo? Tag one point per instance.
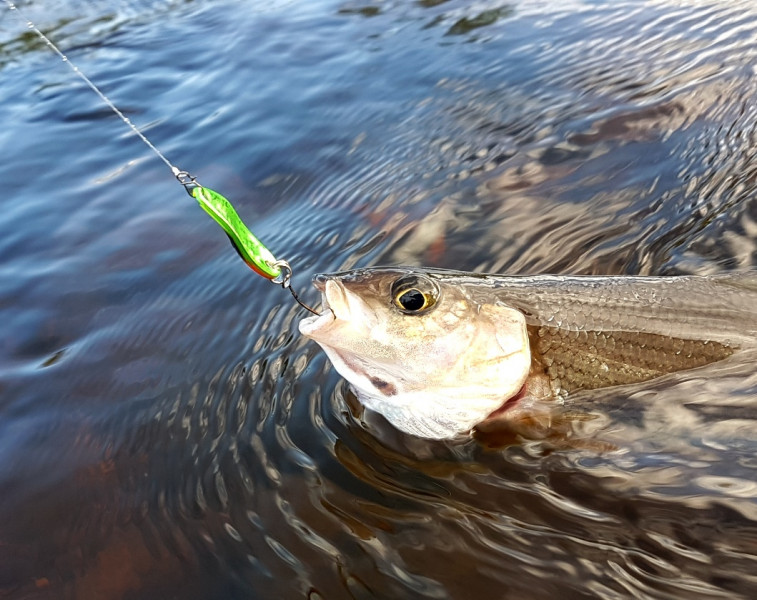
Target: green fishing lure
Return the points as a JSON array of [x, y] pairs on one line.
[[250, 248]]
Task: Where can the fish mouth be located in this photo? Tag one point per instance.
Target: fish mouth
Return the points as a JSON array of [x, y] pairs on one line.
[[339, 306], [310, 326]]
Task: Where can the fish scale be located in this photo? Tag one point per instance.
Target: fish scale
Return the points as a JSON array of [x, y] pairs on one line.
[[583, 360]]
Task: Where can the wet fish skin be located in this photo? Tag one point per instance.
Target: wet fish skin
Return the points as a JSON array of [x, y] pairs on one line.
[[433, 374], [438, 372], [582, 360]]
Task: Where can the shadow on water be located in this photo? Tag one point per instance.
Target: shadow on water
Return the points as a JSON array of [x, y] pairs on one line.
[[164, 430]]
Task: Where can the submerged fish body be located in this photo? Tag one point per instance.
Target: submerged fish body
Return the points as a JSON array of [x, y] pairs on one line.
[[436, 352]]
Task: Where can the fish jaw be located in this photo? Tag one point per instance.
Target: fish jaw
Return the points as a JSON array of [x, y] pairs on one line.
[[339, 307], [310, 326], [344, 317]]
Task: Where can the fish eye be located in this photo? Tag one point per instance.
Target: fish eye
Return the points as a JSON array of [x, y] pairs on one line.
[[413, 294], [412, 300]]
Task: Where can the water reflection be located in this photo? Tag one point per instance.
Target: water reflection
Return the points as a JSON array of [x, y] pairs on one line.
[[165, 432]]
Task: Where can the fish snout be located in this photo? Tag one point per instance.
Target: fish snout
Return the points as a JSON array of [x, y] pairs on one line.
[[332, 294], [319, 281], [316, 326], [336, 298]]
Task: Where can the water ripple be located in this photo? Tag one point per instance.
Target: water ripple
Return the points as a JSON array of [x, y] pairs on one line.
[[166, 432]]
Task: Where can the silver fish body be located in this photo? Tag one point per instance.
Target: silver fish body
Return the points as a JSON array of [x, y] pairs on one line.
[[436, 351]]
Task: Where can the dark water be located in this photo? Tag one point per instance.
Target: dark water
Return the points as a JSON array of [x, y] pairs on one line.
[[164, 430]]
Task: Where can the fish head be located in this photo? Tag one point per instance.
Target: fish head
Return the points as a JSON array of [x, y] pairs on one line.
[[426, 352]]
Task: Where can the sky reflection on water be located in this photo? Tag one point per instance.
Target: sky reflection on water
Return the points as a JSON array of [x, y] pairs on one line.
[[164, 430]]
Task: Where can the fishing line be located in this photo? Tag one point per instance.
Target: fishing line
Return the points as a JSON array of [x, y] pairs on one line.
[[250, 248]]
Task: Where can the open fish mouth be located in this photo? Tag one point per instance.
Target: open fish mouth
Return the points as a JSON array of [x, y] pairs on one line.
[[310, 325], [341, 307]]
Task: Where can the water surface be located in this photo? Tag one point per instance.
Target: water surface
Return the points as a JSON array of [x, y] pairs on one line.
[[164, 430]]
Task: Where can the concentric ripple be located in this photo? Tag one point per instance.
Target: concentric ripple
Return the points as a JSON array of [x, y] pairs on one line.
[[164, 430]]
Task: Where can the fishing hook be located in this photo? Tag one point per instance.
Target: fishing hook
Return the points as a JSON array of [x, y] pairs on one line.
[[284, 279]]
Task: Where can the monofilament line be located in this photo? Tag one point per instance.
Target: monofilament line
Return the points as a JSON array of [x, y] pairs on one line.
[[95, 89]]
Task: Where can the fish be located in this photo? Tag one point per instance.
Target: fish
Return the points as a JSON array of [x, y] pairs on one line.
[[437, 352]]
